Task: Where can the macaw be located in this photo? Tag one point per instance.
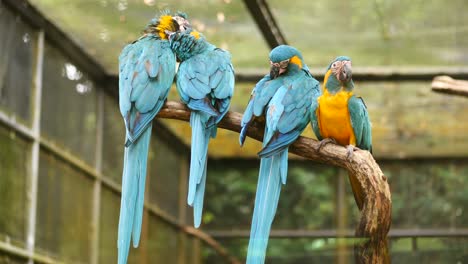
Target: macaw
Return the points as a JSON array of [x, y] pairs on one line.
[[341, 117], [146, 72], [284, 98], [205, 82]]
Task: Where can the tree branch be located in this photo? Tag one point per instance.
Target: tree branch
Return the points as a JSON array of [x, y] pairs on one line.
[[448, 85], [376, 211]]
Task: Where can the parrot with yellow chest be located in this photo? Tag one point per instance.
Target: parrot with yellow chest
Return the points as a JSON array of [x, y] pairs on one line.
[[341, 117]]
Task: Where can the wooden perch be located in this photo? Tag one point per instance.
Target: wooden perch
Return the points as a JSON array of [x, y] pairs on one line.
[[376, 211], [448, 85]]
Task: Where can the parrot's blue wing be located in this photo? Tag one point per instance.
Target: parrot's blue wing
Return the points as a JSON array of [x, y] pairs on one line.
[[222, 83], [288, 113], [146, 72], [249, 110], [264, 93], [147, 69], [246, 119], [314, 119], [124, 88], [360, 123], [205, 82], [259, 99]]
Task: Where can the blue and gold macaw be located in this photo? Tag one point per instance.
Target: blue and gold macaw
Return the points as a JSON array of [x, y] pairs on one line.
[[146, 71], [341, 117], [284, 98], [205, 82]]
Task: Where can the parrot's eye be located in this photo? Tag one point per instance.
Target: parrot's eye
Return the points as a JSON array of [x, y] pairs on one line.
[[282, 64], [182, 23], [334, 65]]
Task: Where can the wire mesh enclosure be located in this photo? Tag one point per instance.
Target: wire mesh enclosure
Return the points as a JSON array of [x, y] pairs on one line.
[[61, 161]]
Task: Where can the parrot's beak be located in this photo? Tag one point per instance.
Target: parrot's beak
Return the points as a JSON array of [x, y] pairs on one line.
[[346, 73], [274, 71]]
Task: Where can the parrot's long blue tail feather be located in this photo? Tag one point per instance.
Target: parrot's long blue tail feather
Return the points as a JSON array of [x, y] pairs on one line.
[[198, 162], [272, 174], [133, 192], [198, 203]]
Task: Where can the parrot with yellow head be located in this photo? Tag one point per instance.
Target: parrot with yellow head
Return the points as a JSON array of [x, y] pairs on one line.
[[146, 72]]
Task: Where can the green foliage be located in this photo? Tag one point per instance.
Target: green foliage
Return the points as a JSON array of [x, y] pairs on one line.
[[428, 195], [425, 194], [304, 202], [429, 250], [295, 251]]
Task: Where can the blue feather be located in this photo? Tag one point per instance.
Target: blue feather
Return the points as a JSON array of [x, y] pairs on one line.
[[202, 105], [146, 72], [279, 143], [198, 163], [133, 191], [199, 194], [266, 202], [205, 82], [138, 91], [284, 166], [215, 80], [243, 134], [285, 101], [246, 118]]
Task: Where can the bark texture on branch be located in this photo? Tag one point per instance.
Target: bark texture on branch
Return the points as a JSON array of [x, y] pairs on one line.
[[376, 211], [448, 85]]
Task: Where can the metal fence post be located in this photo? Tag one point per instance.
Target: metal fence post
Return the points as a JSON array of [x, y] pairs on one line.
[[32, 193], [97, 181]]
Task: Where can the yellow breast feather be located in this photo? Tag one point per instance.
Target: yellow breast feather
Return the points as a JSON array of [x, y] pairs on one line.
[[333, 116]]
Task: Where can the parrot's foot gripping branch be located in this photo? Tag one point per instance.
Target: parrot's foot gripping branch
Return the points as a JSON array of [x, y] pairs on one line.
[[350, 151], [324, 142]]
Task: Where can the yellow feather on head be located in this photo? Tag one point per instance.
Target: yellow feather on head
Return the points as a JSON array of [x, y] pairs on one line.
[[165, 23], [296, 60]]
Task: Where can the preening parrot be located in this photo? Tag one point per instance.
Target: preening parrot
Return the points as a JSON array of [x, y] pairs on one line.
[[341, 117], [284, 98], [146, 71], [205, 82]]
